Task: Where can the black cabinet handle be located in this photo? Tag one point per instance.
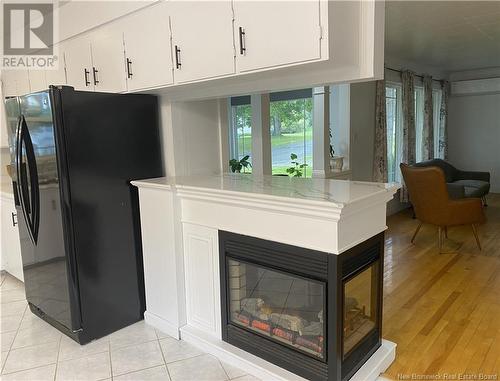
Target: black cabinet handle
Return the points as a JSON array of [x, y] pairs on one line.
[[86, 74], [14, 222], [177, 57], [129, 68], [95, 71], [242, 41]]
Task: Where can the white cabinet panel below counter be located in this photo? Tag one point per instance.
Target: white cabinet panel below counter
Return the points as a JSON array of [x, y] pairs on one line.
[[10, 245]]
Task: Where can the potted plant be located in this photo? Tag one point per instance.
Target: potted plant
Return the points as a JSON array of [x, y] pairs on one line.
[[336, 161], [296, 169], [237, 165]]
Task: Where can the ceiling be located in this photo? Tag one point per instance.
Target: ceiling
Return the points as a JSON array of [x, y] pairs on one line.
[[448, 36]]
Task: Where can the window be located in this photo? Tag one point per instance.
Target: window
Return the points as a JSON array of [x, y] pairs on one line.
[[394, 130], [291, 130], [340, 121], [240, 132], [419, 122], [394, 120], [437, 95]]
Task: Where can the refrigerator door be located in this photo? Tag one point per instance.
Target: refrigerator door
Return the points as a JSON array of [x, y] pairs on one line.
[[110, 139], [45, 260]]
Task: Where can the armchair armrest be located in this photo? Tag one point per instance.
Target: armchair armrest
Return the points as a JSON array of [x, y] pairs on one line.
[[455, 191], [472, 175]]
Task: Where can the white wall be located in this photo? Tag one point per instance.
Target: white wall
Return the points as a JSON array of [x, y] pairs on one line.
[[363, 137], [191, 138], [474, 134], [5, 179], [362, 130]]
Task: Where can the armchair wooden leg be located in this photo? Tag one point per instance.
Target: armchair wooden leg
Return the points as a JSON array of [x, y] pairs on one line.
[[474, 230], [446, 231], [416, 232], [484, 201], [440, 238]]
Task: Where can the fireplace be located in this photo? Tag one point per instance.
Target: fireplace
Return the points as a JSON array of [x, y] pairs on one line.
[[315, 314]]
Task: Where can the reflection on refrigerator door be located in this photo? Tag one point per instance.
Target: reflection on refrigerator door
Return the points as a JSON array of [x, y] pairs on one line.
[[45, 266]]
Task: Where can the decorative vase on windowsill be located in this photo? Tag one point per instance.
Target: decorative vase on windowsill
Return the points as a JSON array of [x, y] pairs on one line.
[[336, 163]]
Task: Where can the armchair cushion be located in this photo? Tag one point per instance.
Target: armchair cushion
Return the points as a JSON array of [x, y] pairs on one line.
[[474, 188], [455, 191]]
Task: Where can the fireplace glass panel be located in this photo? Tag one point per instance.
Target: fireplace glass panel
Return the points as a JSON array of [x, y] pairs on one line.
[[283, 307], [360, 307]]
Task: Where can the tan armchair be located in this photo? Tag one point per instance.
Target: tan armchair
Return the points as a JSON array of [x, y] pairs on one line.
[[432, 204]]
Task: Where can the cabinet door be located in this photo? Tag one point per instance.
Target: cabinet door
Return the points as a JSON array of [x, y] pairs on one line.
[[108, 70], [202, 39], [38, 81], [57, 76], [78, 58], [275, 33], [148, 50], [10, 245]]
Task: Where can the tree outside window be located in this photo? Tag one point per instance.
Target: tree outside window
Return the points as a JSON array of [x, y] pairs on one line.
[[291, 130]]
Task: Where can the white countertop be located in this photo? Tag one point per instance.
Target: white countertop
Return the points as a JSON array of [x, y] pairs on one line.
[[338, 192]]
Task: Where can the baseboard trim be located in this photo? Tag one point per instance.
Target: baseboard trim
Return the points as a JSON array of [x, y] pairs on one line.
[[378, 363], [232, 355], [162, 325], [370, 371]]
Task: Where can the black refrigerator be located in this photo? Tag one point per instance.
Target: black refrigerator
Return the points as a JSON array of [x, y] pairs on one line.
[[73, 155]]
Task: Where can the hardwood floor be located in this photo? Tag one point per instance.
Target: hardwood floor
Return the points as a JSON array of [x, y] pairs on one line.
[[443, 310]]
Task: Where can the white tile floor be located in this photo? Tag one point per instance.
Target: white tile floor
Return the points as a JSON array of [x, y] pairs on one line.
[[33, 350]]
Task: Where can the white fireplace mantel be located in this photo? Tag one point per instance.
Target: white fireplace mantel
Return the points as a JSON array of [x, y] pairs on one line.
[[319, 214], [180, 220]]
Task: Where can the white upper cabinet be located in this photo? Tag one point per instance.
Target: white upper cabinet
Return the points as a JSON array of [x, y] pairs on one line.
[[78, 59], [276, 33], [57, 77], [176, 42], [38, 81], [96, 61], [108, 69], [148, 53], [202, 39]]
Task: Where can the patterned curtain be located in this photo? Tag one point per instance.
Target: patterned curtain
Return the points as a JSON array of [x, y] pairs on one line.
[[428, 130], [443, 121], [409, 144], [380, 149]]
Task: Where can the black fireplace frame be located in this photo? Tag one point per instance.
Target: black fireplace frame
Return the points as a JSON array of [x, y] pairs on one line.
[[333, 270]]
